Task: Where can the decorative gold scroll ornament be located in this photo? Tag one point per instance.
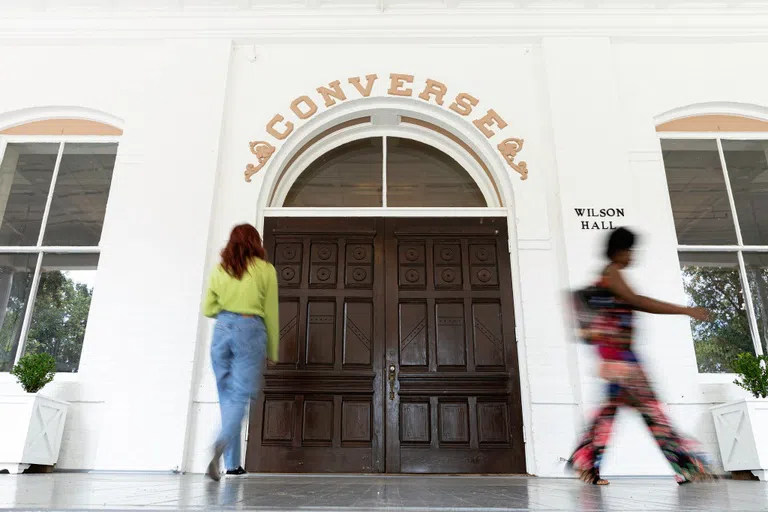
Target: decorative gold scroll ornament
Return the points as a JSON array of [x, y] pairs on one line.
[[509, 148], [263, 151]]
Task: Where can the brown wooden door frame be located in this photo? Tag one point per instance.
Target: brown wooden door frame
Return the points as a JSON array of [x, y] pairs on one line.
[[290, 382]]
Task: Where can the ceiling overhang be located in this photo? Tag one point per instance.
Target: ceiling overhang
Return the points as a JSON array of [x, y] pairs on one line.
[[300, 21]]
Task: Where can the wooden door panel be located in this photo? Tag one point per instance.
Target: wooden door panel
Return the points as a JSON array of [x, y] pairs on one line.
[[317, 421], [453, 422], [415, 422], [356, 422], [358, 334], [323, 264], [359, 266], [412, 327], [457, 406], [493, 423], [450, 339], [288, 351], [321, 333], [321, 404], [488, 336], [279, 418]]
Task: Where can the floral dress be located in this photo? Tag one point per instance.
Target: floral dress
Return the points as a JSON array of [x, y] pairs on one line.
[[628, 386]]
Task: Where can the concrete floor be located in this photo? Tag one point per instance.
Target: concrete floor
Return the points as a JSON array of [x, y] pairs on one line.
[[76, 491]]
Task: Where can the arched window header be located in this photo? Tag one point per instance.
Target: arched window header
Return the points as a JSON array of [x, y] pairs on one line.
[[710, 123], [66, 126]]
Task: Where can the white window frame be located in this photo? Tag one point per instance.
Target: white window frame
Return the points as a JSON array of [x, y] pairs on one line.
[[739, 248], [40, 249]]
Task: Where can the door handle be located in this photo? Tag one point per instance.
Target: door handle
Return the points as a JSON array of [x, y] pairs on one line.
[[392, 382]]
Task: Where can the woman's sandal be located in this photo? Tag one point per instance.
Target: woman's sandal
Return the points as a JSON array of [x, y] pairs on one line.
[[698, 478], [592, 477]]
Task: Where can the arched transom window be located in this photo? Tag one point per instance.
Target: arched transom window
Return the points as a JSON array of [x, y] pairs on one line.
[[385, 172]]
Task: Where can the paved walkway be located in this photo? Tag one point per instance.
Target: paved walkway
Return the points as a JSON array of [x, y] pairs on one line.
[[73, 491]]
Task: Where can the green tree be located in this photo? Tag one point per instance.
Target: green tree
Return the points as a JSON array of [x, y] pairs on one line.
[[718, 341], [59, 319], [13, 318]]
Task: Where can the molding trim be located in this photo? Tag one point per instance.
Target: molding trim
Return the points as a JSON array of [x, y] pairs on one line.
[[747, 110], [472, 26], [275, 181], [288, 175], [30, 115], [714, 123], [64, 127], [533, 245]]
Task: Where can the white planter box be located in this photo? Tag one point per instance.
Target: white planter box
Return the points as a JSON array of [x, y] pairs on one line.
[[742, 434], [32, 427]]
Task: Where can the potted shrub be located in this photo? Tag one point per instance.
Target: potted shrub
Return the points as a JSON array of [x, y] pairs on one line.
[[32, 424], [742, 426]]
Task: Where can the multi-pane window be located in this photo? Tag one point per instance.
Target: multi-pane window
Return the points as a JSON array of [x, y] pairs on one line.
[[719, 194], [53, 197], [385, 171]]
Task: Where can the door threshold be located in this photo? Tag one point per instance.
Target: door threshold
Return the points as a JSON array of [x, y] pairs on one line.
[[390, 475]]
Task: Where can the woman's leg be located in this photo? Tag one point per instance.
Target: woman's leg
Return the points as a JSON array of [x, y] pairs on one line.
[[687, 466], [221, 360], [248, 348], [589, 453]]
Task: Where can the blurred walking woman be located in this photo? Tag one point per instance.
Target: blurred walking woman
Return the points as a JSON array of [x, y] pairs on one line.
[[242, 296], [628, 384]]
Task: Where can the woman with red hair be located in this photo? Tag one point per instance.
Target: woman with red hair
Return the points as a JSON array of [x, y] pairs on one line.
[[242, 296]]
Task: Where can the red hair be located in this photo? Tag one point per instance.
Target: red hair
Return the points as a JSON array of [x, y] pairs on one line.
[[244, 245]]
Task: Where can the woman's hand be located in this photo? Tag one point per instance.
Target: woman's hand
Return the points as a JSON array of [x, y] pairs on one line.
[[271, 363], [700, 314]]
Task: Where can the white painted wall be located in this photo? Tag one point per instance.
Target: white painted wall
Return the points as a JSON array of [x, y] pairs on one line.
[[145, 397], [609, 155], [131, 396], [653, 79], [253, 100]]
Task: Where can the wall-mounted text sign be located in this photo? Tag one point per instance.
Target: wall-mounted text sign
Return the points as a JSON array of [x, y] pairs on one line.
[[599, 218], [282, 125]]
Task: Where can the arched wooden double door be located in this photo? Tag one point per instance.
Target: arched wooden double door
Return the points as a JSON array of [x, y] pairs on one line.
[[397, 349]]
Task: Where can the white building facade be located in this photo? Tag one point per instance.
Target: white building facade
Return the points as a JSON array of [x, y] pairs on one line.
[[125, 132]]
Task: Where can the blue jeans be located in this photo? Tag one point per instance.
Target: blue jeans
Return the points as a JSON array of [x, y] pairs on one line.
[[238, 351]]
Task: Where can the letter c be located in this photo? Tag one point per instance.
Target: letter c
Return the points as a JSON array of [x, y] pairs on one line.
[[276, 134]]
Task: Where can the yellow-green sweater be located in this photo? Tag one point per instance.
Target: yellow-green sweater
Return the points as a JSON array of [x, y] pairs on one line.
[[254, 294]]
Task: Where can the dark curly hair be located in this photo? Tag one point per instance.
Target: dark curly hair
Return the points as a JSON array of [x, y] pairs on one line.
[[621, 239]]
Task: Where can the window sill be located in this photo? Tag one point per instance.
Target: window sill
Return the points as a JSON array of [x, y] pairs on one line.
[[717, 378], [6, 377]]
